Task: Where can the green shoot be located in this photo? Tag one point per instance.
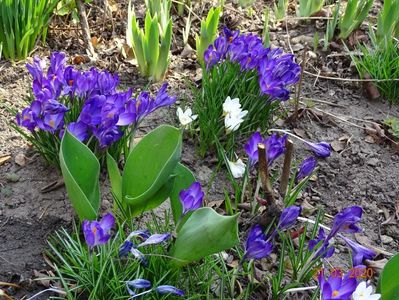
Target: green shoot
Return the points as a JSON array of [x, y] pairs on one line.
[[355, 13], [208, 32]]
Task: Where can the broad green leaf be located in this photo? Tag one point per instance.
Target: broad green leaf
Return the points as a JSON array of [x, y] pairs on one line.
[[114, 177], [81, 170], [153, 201], [204, 233], [183, 179], [150, 164], [388, 285]]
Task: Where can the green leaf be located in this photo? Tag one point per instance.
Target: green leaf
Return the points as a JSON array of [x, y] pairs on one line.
[[150, 165], [388, 285], [81, 170], [204, 233], [114, 177], [154, 201], [183, 179]]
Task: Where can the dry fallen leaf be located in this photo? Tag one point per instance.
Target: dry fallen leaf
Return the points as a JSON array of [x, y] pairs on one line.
[[300, 132], [338, 146], [3, 294], [371, 89], [80, 59], [40, 279], [377, 265], [4, 158]]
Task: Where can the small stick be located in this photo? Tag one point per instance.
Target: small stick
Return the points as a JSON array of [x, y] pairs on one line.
[[299, 89], [264, 174], [285, 176], [85, 27]]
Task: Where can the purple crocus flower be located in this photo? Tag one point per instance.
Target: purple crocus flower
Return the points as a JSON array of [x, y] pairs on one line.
[[321, 149], [125, 248], [275, 147], [98, 233], [162, 98], [129, 246], [139, 283], [155, 239], [28, 117], [37, 69], [79, 130], [359, 252], [306, 168], [251, 147], [54, 107], [288, 217], [345, 221], [51, 122], [336, 287], [257, 246], [191, 198], [168, 289], [108, 135], [325, 250]]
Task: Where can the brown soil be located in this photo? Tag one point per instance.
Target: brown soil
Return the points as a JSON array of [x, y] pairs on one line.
[[363, 173]]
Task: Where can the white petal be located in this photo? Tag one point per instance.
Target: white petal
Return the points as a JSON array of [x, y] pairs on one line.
[[237, 168], [179, 111]]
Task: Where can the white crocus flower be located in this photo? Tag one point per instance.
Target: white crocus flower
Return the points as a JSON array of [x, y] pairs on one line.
[[364, 292], [237, 168], [233, 121], [231, 106], [186, 117]]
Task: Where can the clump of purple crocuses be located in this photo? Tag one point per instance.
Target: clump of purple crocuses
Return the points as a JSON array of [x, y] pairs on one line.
[[88, 104], [276, 71]]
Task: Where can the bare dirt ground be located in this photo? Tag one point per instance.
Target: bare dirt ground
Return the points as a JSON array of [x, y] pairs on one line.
[[363, 170]]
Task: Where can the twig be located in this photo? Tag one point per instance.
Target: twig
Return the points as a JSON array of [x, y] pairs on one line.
[[349, 79], [324, 102], [61, 292], [285, 176], [85, 27], [264, 174]]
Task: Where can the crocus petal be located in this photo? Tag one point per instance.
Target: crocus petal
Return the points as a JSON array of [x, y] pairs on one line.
[[191, 198], [237, 168], [306, 168], [139, 283], [125, 248], [359, 252], [88, 234], [321, 149], [258, 249], [288, 217], [107, 222], [155, 239], [168, 289]]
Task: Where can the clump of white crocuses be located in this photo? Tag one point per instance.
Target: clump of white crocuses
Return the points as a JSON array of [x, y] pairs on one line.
[[233, 114]]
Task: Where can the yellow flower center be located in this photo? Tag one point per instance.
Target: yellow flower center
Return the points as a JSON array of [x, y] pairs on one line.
[[335, 293], [94, 230], [52, 123]]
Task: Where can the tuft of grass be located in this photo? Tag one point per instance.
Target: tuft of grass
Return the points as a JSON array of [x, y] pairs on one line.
[[101, 274], [218, 83], [381, 63], [22, 24]]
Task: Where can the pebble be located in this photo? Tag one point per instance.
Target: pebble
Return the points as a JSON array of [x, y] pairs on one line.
[[373, 162], [297, 47], [385, 239]]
